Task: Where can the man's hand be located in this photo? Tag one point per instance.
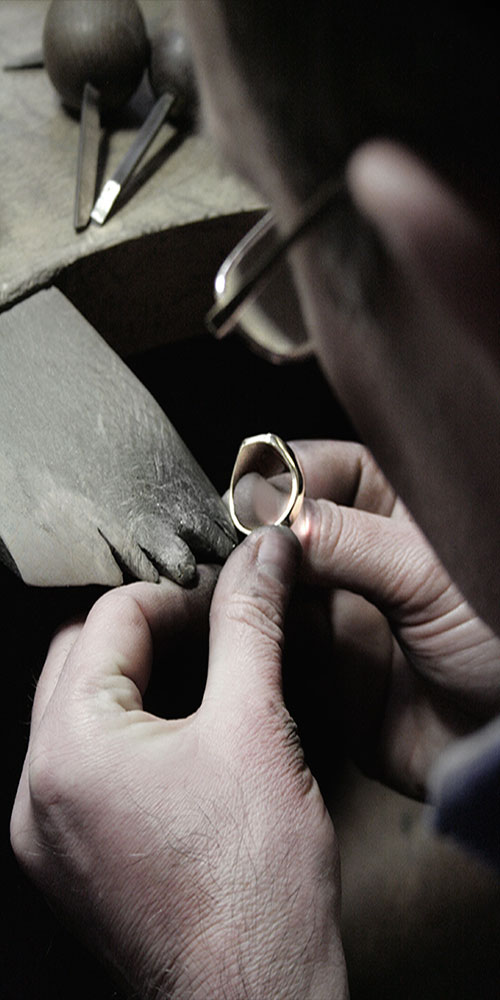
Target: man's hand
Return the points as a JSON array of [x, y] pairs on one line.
[[195, 855], [416, 666]]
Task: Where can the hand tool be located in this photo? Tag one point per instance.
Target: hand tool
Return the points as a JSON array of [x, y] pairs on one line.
[[31, 60], [172, 80], [95, 54]]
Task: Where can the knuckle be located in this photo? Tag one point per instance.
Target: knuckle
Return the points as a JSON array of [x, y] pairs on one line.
[[49, 782], [62, 776], [26, 845], [325, 526], [117, 602], [368, 468], [41, 802], [20, 831], [120, 607], [258, 613], [373, 491]]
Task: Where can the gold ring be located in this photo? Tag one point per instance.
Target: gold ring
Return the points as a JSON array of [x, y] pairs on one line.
[[249, 450]]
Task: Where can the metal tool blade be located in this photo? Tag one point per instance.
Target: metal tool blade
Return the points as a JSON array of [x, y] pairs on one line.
[[141, 143], [88, 156], [31, 60]]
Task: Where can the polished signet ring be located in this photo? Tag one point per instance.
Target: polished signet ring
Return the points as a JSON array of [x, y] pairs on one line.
[[267, 484]]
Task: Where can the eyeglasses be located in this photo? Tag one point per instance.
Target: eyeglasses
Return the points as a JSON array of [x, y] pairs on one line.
[[267, 484], [254, 288]]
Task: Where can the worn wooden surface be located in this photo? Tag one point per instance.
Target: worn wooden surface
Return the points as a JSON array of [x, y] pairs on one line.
[[180, 182], [95, 481]]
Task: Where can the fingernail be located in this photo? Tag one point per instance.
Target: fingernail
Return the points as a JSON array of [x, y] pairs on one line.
[[277, 554]]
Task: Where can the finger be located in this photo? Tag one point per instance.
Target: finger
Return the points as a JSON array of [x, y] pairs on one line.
[[363, 647], [345, 472], [387, 561], [170, 554], [58, 652], [108, 667], [246, 621]]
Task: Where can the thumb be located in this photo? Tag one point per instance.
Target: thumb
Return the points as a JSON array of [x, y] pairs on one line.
[[246, 622]]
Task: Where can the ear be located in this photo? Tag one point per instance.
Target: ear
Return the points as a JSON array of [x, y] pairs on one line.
[[429, 227], [433, 353]]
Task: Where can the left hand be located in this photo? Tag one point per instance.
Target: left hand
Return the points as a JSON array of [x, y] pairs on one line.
[[416, 666], [196, 854]]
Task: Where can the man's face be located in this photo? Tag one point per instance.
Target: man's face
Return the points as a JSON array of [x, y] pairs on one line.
[[418, 370]]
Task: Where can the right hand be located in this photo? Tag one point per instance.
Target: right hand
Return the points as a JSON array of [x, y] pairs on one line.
[[416, 666]]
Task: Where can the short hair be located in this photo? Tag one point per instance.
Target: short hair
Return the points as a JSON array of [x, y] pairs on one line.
[[328, 76]]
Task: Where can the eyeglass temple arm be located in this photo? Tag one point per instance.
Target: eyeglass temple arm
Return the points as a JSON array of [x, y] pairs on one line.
[[221, 318]]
